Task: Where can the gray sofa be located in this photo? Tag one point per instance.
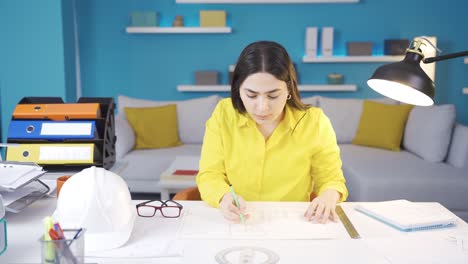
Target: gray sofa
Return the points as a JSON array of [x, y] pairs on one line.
[[432, 165]]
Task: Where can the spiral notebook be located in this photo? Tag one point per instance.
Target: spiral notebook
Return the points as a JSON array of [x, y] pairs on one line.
[[408, 216]]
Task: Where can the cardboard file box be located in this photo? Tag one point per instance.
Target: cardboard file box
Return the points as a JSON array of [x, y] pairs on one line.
[[231, 73], [206, 77], [311, 41], [327, 41], [212, 18], [359, 48], [395, 46]]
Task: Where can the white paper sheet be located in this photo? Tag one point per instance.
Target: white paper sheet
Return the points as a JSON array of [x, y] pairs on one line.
[[414, 249], [65, 153], [142, 243], [72, 129], [265, 222]]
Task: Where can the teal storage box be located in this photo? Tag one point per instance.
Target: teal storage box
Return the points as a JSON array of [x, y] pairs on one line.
[[144, 19]]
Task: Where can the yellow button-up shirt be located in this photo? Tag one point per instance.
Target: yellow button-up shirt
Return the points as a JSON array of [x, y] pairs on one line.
[[300, 157]]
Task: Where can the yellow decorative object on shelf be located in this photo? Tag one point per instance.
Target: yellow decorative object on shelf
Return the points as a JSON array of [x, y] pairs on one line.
[[212, 18]]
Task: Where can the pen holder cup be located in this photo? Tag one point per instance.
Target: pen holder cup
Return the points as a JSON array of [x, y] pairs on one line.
[[64, 251], [60, 181]]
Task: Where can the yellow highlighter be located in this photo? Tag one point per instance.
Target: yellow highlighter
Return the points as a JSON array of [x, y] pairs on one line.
[[49, 253], [234, 196]]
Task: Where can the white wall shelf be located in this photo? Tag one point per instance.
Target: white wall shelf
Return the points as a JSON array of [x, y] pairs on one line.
[[304, 88], [178, 30], [314, 59], [465, 90], [262, 1], [203, 88]]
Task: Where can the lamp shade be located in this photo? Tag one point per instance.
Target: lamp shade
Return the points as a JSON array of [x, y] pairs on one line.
[[404, 81]]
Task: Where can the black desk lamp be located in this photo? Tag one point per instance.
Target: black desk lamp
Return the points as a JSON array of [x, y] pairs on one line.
[[405, 81]]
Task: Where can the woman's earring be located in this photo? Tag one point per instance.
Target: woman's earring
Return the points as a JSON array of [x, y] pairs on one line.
[[289, 96]]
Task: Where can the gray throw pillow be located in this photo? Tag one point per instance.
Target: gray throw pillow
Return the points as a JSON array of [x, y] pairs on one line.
[[458, 152], [312, 101], [429, 130], [345, 114], [125, 136]]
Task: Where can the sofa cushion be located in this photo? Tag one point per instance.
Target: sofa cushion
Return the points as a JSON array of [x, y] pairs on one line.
[[312, 101], [344, 114], [192, 114], [154, 127], [458, 153], [429, 130], [382, 125], [148, 164], [374, 174], [125, 136]]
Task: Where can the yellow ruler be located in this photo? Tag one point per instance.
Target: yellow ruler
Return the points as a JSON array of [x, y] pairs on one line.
[[347, 223]]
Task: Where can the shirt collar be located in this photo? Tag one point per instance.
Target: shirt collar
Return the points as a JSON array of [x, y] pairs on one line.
[[244, 119], [291, 117]]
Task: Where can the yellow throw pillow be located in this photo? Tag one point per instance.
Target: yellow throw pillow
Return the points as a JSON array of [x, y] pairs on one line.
[[155, 127], [382, 125]]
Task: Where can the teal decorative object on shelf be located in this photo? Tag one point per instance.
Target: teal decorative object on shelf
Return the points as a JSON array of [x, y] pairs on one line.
[[144, 19]]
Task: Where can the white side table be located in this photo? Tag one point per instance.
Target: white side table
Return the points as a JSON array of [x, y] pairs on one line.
[[170, 183]]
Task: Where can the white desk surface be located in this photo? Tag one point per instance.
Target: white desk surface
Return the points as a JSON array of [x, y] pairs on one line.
[[379, 244]]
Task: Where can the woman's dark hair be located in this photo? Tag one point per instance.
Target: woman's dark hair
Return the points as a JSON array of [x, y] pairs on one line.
[[269, 57]]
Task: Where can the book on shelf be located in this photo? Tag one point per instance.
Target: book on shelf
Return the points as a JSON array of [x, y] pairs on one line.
[[408, 216], [185, 173]]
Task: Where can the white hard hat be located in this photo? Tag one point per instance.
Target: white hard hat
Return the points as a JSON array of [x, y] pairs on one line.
[[99, 201]]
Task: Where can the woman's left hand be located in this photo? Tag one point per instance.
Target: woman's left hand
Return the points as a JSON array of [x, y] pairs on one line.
[[322, 207]]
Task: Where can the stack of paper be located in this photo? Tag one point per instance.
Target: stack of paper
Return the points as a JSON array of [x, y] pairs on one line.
[[407, 216], [16, 184], [13, 176]]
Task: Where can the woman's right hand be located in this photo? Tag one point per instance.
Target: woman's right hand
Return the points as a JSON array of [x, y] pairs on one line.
[[229, 209]]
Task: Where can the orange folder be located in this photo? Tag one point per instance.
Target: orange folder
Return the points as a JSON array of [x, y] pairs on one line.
[[57, 111]]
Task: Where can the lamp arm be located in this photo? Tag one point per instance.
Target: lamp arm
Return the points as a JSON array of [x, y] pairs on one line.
[[446, 57]]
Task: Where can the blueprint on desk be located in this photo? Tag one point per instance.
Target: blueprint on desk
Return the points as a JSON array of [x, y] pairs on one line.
[[266, 221]]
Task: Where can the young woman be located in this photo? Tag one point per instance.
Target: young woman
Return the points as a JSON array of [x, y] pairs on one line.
[[267, 144]]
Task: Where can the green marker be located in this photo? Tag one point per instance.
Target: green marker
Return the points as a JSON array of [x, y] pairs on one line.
[[234, 196]]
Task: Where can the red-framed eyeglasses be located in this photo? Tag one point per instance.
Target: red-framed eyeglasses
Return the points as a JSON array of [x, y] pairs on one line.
[[168, 208]]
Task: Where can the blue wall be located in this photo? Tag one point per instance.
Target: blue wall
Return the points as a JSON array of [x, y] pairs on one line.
[[69, 50], [152, 65], [32, 53], [37, 47]]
